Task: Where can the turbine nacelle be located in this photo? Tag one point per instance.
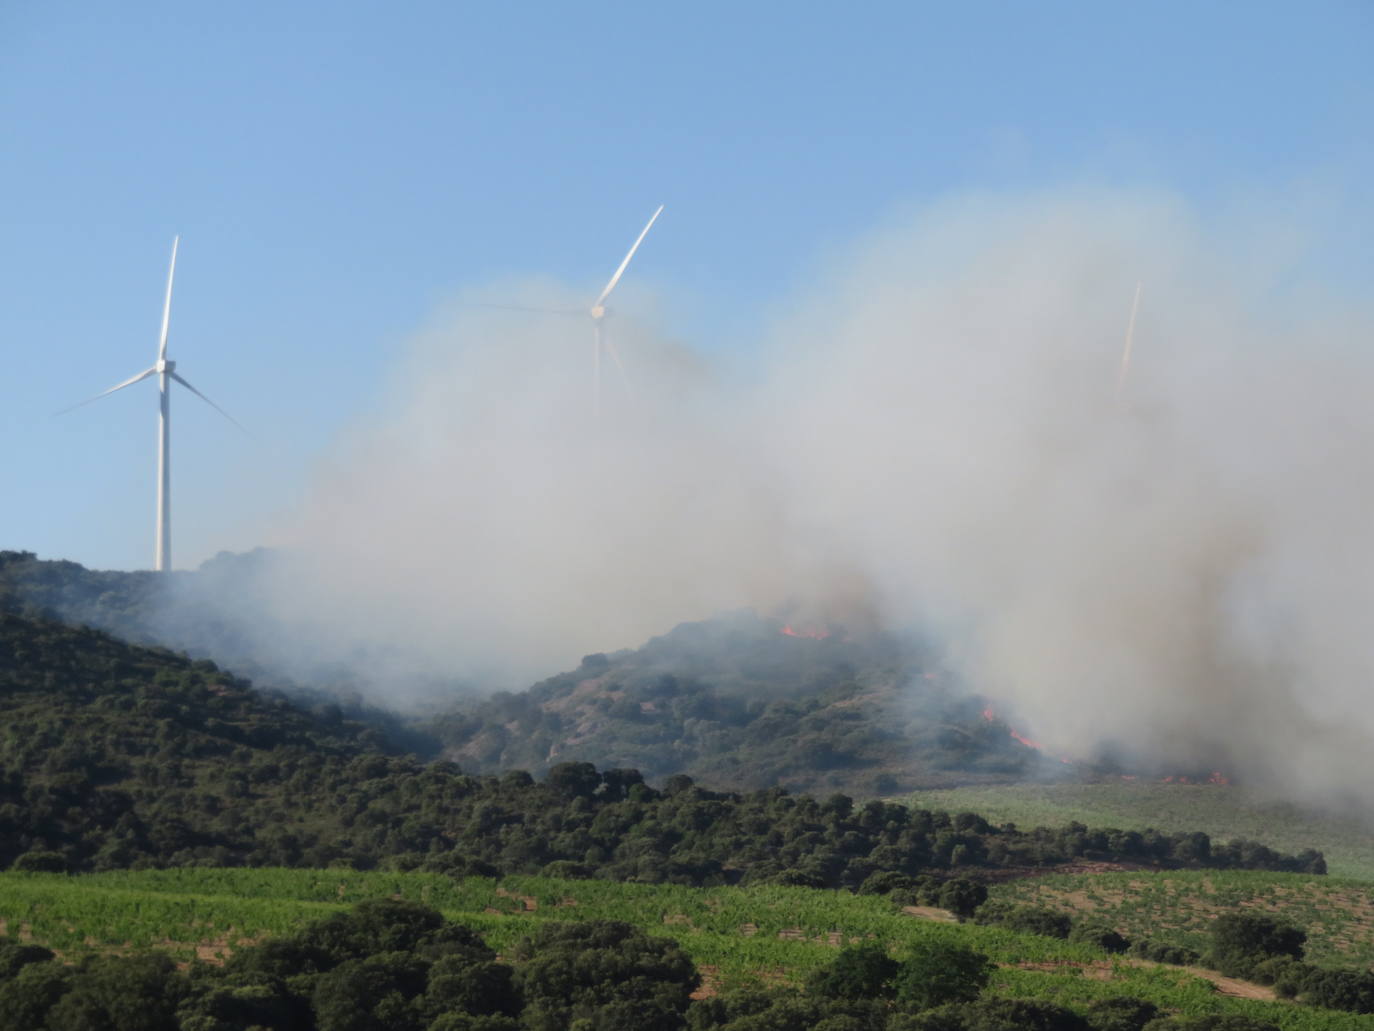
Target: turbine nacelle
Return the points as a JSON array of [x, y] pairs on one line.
[[598, 312], [165, 365]]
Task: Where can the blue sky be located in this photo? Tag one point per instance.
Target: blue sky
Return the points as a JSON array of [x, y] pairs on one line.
[[338, 171]]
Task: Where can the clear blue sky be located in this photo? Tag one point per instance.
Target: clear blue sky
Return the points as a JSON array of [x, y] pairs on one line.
[[338, 169]]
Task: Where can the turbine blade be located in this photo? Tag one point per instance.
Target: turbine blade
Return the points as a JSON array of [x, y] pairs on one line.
[[621, 271], [118, 386], [1125, 368], [167, 304], [615, 357], [178, 377], [526, 307]]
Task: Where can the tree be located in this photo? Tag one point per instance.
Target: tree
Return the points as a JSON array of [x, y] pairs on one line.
[[1241, 940], [227, 1001], [936, 973], [863, 971], [456, 983], [14, 956], [1104, 937], [26, 998], [1120, 1013], [374, 994], [962, 896], [608, 973], [121, 993], [1212, 1022]]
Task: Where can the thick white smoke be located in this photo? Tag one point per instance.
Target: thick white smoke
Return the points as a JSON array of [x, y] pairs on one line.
[[1185, 565]]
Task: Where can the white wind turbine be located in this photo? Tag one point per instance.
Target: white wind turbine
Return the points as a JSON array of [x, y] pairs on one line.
[[165, 369], [598, 313]]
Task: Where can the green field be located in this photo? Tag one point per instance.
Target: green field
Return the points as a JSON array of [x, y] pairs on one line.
[[734, 934], [1225, 813], [1177, 908]]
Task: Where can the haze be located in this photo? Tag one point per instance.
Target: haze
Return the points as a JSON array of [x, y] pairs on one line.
[[934, 436]]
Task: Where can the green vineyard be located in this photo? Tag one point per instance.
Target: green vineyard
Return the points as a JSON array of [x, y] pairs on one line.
[[768, 934]]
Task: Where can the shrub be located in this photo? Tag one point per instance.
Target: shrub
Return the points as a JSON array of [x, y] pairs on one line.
[[1121, 1013], [1104, 937], [862, 971], [935, 974], [1242, 940]]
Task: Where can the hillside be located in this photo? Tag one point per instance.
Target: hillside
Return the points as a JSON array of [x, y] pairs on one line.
[[748, 702], [738, 702], [113, 756]]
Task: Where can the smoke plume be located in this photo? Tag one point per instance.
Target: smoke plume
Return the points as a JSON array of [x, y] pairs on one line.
[[1184, 565]]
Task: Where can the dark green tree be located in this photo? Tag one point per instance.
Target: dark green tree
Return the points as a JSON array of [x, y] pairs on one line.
[[936, 973], [606, 973], [1241, 940], [863, 971], [1120, 1013]]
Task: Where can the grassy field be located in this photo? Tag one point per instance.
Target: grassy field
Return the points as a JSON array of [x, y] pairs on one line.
[[735, 935], [1223, 812], [1178, 908]]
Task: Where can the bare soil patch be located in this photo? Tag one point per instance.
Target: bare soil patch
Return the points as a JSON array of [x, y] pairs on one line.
[[944, 916]]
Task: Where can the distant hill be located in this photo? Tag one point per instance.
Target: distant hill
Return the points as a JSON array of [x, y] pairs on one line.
[[220, 612], [737, 702], [748, 702], [114, 755]]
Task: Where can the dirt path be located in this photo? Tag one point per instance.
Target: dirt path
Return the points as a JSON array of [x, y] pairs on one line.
[[1232, 986], [944, 916]]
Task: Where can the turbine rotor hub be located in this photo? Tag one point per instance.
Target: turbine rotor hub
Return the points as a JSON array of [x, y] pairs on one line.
[[166, 365]]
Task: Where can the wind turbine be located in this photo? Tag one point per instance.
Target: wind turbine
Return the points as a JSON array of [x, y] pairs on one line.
[[598, 313], [1125, 368], [165, 369]]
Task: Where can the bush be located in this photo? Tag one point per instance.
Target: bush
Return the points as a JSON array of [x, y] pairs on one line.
[[863, 971], [1242, 940], [14, 956], [40, 862], [608, 973], [993, 1015], [935, 974], [1350, 990], [1104, 937], [1027, 919], [1160, 952], [962, 896], [1229, 1022], [1121, 1013]]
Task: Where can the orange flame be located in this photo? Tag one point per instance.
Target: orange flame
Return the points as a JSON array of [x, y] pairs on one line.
[[989, 715], [815, 635]]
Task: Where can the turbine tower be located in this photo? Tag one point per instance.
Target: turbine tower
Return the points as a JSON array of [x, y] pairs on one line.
[[598, 312], [165, 369]]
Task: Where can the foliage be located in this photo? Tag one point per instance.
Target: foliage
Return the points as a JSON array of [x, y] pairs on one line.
[[1242, 940], [115, 756], [934, 974], [1229, 813], [863, 971], [1120, 1013], [602, 974], [762, 939], [1030, 919], [733, 701]]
